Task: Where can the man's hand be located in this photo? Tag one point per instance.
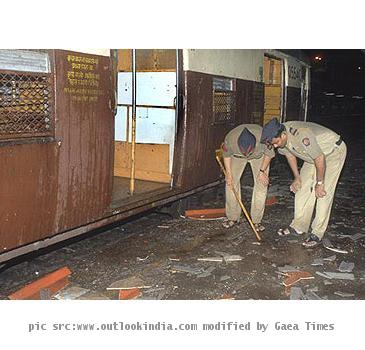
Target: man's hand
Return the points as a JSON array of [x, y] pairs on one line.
[[320, 191], [263, 178], [296, 185]]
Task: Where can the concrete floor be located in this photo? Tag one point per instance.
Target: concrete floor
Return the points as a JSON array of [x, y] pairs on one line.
[[156, 247]]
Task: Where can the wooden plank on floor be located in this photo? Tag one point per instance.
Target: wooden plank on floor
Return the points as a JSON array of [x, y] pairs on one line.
[[50, 283]]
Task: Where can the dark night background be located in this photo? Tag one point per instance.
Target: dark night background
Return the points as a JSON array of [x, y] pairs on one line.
[[337, 82]]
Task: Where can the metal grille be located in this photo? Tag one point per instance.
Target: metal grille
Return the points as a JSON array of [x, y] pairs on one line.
[[224, 106], [25, 108]]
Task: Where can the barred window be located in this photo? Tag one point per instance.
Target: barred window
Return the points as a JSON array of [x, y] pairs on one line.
[[25, 96], [224, 101]]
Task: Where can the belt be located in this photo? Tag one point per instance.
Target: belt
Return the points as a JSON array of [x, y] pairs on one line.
[[338, 143]]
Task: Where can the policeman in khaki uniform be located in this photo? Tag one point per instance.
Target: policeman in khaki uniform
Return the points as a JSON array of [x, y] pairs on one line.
[[324, 154], [241, 146]]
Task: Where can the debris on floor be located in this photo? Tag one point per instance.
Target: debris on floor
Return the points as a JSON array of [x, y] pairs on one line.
[[317, 262], [355, 237], [93, 296], [346, 266], [336, 275], [295, 276], [126, 294], [330, 258], [226, 258], [224, 278], [344, 294], [206, 214], [207, 272], [142, 259], [44, 287], [128, 283], [212, 259], [311, 295], [296, 293], [187, 269], [71, 293], [287, 268], [328, 245], [227, 297]]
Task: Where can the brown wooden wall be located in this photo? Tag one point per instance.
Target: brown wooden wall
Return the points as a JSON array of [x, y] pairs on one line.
[[150, 60], [28, 192], [67, 182], [86, 130], [198, 138]]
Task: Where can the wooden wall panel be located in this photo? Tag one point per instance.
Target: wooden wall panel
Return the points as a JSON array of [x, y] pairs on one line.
[[272, 71], [153, 60], [85, 131], [28, 193], [152, 161]]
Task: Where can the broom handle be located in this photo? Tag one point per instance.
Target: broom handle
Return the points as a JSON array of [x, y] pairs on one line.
[[239, 201]]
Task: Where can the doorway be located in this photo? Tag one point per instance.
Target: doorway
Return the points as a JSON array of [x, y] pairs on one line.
[[151, 151], [273, 79]]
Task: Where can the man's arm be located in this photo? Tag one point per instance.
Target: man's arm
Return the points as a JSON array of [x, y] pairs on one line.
[[263, 177], [320, 164], [292, 161], [297, 183]]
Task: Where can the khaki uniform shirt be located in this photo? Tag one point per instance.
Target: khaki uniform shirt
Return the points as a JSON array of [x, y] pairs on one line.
[[308, 140], [231, 149]]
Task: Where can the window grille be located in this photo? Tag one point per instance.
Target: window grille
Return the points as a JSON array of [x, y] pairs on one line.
[[224, 101], [25, 105]]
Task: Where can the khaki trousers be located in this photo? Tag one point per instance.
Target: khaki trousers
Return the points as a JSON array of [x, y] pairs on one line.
[[233, 209], [305, 199]]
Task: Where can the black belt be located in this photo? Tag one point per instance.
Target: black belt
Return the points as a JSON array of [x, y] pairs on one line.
[[237, 156], [338, 143]]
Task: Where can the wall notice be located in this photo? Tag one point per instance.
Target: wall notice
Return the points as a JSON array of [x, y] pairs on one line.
[[82, 79]]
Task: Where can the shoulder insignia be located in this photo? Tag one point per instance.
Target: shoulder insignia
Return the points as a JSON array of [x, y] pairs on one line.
[[293, 131], [306, 141]]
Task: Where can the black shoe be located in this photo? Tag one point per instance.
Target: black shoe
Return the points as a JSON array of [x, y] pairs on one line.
[[312, 241]]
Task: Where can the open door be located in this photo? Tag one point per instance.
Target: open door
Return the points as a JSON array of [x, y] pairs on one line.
[[153, 150], [273, 88]]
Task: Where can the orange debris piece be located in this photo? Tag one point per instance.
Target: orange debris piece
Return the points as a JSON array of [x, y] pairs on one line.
[[227, 296], [125, 294], [214, 213], [50, 283], [295, 276]]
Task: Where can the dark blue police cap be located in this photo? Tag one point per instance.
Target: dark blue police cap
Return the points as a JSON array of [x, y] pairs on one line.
[[246, 141], [270, 130]]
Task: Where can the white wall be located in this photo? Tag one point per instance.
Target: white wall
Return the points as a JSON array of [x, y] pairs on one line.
[[154, 125], [242, 64], [293, 72]]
